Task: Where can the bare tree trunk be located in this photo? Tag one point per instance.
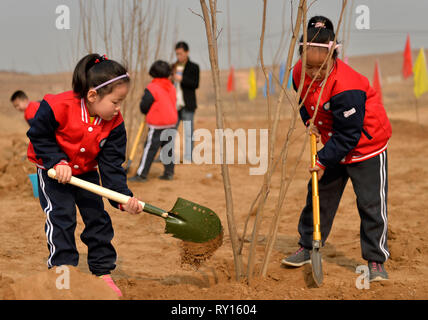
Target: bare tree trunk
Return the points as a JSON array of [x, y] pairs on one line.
[[283, 189], [211, 29], [266, 180]]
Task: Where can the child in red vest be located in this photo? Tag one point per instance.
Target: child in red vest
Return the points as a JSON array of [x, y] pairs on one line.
[[354, 129], [159, 105], [21, 103], [77, 132]]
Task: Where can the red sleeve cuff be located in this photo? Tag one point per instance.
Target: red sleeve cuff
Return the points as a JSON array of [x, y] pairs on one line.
[[62, 163], [319, 164], [120, 206]]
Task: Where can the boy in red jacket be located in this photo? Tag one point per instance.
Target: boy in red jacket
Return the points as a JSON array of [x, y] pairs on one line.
[[159, 105], [21, 103], [354, 129]]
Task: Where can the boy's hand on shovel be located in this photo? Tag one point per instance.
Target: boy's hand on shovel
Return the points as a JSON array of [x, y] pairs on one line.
[[319, 170], [314, 130], [133, 206]]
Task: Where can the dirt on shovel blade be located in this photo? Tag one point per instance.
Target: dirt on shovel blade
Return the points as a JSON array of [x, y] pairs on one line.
[[194, 254]]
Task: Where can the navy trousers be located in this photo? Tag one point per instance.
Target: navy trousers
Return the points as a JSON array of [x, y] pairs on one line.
[[59, 203], [370, 181]]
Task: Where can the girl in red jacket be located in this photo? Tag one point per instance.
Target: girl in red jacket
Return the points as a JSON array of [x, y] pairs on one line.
[[77, 132], [159, 105], [354, 129]]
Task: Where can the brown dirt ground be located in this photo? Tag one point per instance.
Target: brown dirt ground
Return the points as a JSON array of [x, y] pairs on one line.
[[148, 265]]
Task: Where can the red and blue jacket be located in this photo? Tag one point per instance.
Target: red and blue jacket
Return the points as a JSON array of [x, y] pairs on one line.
[[61, 132], [159, 104], [351, 118], [31, 110]]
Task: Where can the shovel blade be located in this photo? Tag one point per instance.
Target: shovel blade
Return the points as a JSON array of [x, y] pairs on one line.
[[190, 221], [316, 262]]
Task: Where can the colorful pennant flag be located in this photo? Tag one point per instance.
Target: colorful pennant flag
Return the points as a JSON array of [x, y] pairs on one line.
[[407, 61], [231, 80], [252, 91], [376, 80], [271, 84], [290, 80], [281, 73], [420, 74]]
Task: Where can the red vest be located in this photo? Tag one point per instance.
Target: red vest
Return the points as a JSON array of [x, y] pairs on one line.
[[376, 127], [79, 139], [163, 112]]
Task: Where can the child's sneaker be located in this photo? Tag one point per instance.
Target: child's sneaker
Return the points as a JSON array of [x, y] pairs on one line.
[[107, 279], [298, 259], [377, 272]]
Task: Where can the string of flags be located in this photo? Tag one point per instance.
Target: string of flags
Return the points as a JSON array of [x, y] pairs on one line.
[[376, 80], [418, 70]]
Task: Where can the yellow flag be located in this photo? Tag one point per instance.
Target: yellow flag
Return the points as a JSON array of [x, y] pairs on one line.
[[420, 74], [252, 91]]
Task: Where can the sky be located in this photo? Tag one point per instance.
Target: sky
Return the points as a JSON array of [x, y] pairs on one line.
[[31, 42]]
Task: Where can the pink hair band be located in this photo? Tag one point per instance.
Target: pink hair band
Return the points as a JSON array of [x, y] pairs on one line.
[[126, 75], [324, 45]]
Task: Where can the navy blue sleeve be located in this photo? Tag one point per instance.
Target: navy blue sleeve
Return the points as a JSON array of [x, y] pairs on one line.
[[348, 110], [42, 136], [304, 115], [110, 160], [30, 121], [191, 77], [146, 101]]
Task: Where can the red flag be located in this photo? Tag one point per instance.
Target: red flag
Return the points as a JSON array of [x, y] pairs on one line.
[[376, 80], [407, 61], [230, 81]]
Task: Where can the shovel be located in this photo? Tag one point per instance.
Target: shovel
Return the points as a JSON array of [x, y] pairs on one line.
[[187, 220], [141, 129], [316, 240]]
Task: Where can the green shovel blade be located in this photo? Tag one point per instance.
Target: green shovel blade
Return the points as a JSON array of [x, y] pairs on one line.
[[190, 221]]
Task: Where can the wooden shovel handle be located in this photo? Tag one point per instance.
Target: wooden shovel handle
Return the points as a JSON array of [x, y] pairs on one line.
[[92, 187], [137, 139], [110, 194]]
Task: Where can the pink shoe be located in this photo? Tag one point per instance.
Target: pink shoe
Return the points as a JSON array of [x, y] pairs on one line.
[[107, 279]]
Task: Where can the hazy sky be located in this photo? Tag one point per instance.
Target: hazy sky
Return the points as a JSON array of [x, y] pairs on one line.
[[30, 42]]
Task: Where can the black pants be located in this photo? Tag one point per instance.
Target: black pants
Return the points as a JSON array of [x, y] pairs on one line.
[[370, 181], [59, 204], [151, 147]]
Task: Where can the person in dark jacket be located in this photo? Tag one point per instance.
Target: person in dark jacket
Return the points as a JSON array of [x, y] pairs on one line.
[[186, 79], [353, 126], [159, 105]]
